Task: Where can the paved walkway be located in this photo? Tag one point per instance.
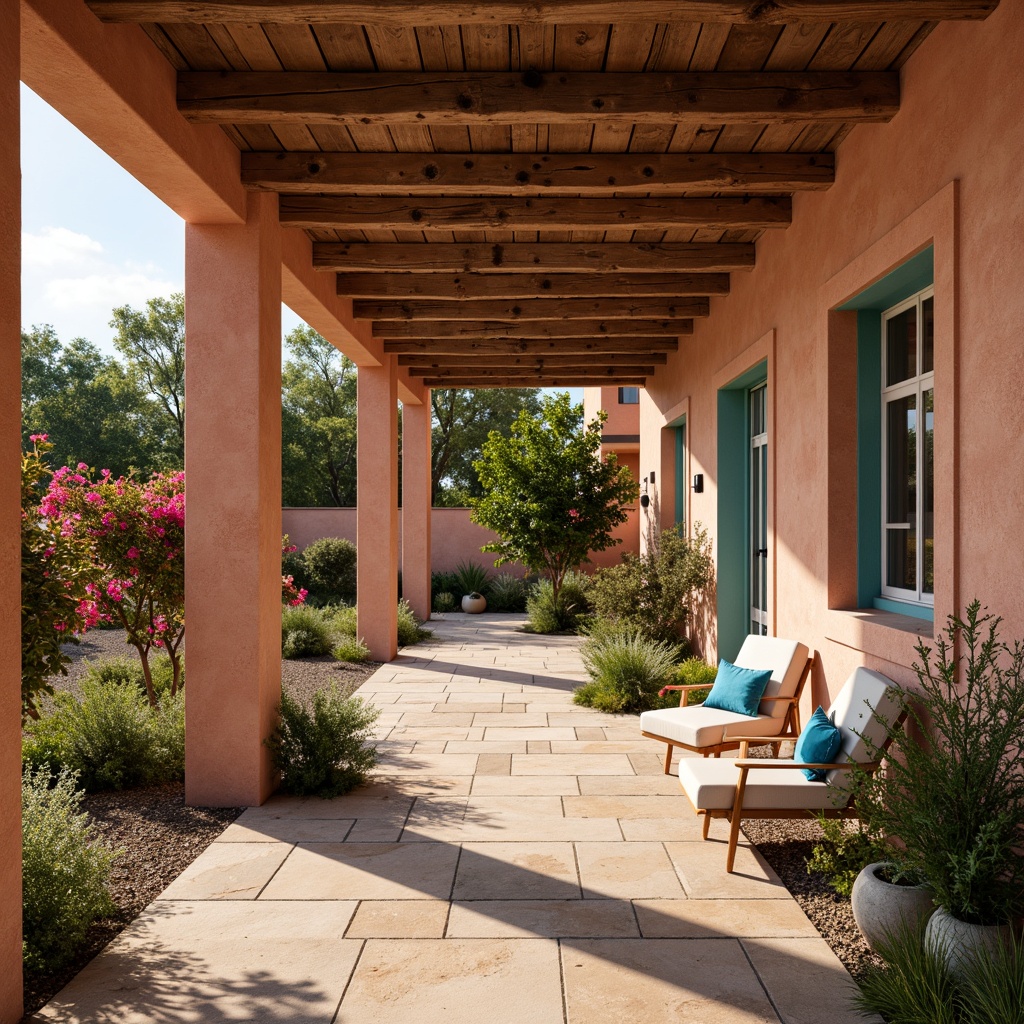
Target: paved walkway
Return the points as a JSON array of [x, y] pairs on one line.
[[518, 860]]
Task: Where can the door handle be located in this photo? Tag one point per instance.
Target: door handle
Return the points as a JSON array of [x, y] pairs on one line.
[[761, 551]]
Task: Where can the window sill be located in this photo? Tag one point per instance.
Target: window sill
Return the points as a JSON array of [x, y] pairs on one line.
[[881, 634]]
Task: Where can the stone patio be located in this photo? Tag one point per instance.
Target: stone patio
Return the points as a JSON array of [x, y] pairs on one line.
[[517, 860]]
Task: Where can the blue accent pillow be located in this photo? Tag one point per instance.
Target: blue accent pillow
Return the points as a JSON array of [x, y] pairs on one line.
[[738, 689], [818, 744]]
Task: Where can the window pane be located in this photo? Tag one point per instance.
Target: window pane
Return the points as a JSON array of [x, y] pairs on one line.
[[755, 532], [928, 494], [927, 335], [901, 559], [901, 493], [629, 396], [901, 346], [764, 527]]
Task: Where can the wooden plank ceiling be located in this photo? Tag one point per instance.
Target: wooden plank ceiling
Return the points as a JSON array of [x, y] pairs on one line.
[[536, 192]]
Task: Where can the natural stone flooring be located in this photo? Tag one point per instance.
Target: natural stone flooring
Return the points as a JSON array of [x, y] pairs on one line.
[[517, 860]]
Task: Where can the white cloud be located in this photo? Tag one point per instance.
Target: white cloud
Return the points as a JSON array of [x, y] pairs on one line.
[[106, 290], [53, 247]]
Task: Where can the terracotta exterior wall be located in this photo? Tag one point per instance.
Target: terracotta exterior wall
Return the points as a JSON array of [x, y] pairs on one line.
[[454, 537], [948, 171]]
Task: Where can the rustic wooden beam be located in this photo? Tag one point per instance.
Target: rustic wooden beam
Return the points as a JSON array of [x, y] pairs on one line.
[[571, 12], [535, 97], [536, 309], [523, 213], [527, 362], [470, 348], [533, 380], [584, 174], [549, 257], [532, 329], [441, 287], [578, 369]]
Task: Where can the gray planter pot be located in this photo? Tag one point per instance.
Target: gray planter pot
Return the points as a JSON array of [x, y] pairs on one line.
[[474, 603], [959, 942], [881, 908]]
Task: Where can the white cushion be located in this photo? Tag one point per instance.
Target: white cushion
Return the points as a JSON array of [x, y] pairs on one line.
[[698, 726], [710, 784], [787, 660], [864, 692]]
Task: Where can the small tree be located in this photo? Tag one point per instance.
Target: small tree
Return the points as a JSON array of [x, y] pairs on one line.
[[55, 570], [549, 496], [136, 537]]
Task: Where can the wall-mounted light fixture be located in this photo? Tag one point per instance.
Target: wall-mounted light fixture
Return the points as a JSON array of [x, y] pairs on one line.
[[645, 498], [698, 483]]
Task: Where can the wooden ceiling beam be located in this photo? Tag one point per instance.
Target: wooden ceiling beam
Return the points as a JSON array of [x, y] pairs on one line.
[[367, 213], [535, 309], [528, 362], [578, 369], [533, 380], [467, 287], [546, 257], [470, 348], [532, 329], [535, 97], [572, 12], [523, 174]]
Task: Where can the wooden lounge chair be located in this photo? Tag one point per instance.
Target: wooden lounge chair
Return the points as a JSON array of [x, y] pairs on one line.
[[773, 788], [710, 731]]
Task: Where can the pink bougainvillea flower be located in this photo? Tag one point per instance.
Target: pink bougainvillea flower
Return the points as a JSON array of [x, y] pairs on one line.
[[132, 552], [35, 438]]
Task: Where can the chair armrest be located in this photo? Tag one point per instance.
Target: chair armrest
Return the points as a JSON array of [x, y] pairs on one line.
[[765, 763], [689, 686], [792, 700]]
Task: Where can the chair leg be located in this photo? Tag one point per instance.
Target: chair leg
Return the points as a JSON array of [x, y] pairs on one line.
[[775, 749], [706, 826], [734, 838], [668, 758]]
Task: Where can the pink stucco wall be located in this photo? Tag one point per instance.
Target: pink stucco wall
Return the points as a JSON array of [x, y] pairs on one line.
[[454, 536], [948, 171]]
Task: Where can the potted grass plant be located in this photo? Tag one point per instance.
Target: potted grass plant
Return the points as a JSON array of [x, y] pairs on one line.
[[950, 795]]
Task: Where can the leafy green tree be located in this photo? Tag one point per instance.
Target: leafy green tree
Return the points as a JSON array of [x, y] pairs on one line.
[[152, 342], [318, 425], [548, 494], [88, 404], [463, 418]]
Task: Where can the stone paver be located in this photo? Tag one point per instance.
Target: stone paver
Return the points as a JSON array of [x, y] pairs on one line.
[[515, 860]]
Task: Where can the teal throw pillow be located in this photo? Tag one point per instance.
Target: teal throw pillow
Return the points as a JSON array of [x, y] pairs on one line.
[[818, 744], [738, 689]]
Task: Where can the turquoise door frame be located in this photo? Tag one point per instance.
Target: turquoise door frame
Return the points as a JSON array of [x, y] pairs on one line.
[[734, 509], [680, 510]]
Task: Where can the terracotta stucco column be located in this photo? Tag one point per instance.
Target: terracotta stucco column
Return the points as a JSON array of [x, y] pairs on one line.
[[10, 520], [377, 508], [416, 505], [233, 467]]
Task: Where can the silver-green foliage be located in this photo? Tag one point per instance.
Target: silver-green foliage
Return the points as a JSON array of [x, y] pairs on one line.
[[445, 602], [471, 578], [953, 794], [409, 629], [323, 750], [564, 614], [64, 872], [109, 735], [626, 670], [506, 593], [350, 648], [915, 987], [306, 632]]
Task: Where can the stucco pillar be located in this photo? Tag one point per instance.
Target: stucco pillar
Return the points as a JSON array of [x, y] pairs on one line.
[[233, 466], [10, 519], [416, 505], [377, 508]]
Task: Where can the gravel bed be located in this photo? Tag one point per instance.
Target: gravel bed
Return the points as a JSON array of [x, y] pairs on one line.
[[786, 845], [156, 834]]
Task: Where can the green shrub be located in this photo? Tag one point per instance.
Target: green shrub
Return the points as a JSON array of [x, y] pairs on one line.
[[409, 630], [111, 736], [331, 569], [64, 873], [626, 669], [128, 669], [350, 648], [294, 565], [506, 593], [470, 578], [653, 592], [322, 751], [572, 609], [306, 632], [993, 986], [443, 583], [445, 602], [842, 853]]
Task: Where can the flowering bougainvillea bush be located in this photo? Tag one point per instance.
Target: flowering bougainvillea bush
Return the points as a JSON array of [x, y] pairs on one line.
[[55, 570], [134, 535], [291, 593]]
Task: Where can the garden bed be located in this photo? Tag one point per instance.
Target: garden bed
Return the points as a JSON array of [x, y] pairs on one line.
[[157, 835]]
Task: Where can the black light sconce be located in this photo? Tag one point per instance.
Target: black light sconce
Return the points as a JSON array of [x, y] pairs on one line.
[[645, 498], [698, 483]]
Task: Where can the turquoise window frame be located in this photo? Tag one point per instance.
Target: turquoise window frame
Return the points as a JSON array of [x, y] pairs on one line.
[[681, 482], [734, 552], [911, 277]]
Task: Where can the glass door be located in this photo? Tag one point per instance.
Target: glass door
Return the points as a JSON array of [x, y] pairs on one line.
[[759, 510]]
